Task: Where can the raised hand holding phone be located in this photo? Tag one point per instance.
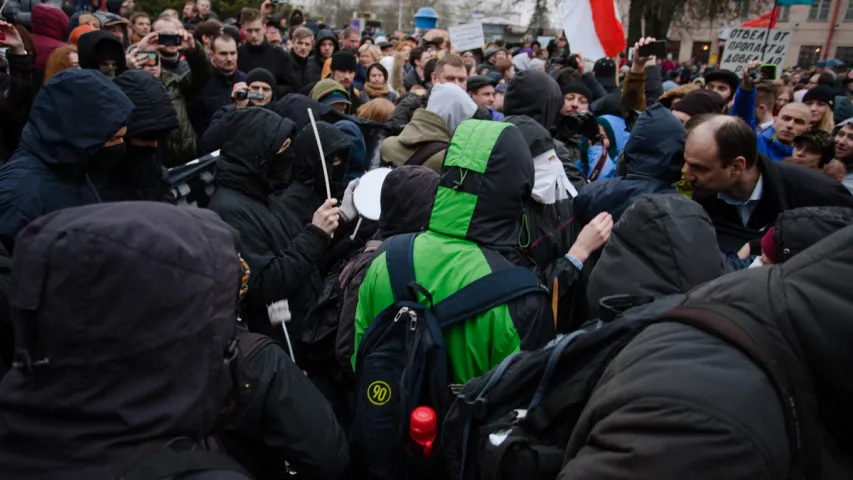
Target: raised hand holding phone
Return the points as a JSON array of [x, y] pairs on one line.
[[10, 38]]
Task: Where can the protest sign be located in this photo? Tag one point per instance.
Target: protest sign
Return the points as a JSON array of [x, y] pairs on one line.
[[467, 37], [744, 45]]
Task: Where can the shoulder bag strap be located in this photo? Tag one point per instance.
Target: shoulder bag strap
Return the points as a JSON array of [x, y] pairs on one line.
[[426, 151]]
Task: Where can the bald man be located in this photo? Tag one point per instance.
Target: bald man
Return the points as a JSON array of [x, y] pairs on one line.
[[740, 189]]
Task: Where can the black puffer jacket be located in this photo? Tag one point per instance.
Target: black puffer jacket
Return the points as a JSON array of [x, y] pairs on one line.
[[282, 252], [139, 176], [798, 229], [125, 374], [305, 71], [727, 415]]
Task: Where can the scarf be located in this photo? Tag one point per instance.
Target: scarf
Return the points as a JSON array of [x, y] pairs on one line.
[[376, 92]]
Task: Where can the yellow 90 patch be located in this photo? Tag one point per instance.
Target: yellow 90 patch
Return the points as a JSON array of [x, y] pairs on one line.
[[378, 393]]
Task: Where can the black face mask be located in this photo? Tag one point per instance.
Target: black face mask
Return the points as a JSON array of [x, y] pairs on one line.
[[141, 164], [107, 159]]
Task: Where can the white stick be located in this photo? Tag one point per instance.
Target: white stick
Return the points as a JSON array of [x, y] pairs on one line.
[[322, 156], [357, 226]]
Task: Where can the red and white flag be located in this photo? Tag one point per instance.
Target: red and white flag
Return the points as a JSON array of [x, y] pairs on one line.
[[593, 28]]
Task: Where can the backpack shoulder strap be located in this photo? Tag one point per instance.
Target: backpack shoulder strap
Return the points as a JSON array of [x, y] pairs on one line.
[[252, 343], [426, 151], [781, 368], [483, 294], [167, 463], [399, 256]]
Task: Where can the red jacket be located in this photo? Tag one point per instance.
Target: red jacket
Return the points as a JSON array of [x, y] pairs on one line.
[[49, 31]]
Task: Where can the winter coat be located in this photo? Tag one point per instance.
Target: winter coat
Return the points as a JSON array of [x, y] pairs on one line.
[[798, 229], [654, 156], [162, 336], [785, 186], [49, 170], [458, 249], [287, 420], [49, 31], [406, 108], [282, 252], [213, 96], [744, 107], [425, 127], [184, 90], [92, 46], [729, 418], [390, 96], [24, 82], [406, 201], [412, 79], [20, 11], [273, 59], [139, 176], [305, 71], [319, 63], [550, 229]]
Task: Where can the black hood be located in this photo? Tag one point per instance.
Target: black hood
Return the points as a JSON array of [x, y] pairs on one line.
[[805, 301], [135, 319], [408, 194], [154, 114], [308, 170], [798, 229], [535, 94], [656, 146], [256, 136], [662, 245], [99, 45], [295, 108], [325, 35], [537, 137]]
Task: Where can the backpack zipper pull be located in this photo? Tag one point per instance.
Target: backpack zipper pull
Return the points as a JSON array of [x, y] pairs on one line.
[[413, 320], [404, 310]]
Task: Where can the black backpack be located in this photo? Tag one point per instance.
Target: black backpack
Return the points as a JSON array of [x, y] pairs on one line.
[[516, 420], [402, 363], [181, 457]]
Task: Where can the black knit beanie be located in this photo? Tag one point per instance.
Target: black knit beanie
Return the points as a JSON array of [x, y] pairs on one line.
[[821, 93], [260, 75], [344, 62], [579, 88], [698, 102]]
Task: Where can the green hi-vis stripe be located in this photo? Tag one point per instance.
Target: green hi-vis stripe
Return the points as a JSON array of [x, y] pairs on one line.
[[453, 212], [472, 144]]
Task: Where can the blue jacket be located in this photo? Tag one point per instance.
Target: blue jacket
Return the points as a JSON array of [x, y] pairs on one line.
[[73, 115], [654, 156], [744, 107], [496, 115], [215, 95]]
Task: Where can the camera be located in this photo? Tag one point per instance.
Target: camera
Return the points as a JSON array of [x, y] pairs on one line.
[[583, 123], [241, 95]]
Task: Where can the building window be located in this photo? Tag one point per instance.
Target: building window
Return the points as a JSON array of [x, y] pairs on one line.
[[673, 47], [848, 17], [845, 54], [819, 10], [701, 51], [784, 12], [809, 55]]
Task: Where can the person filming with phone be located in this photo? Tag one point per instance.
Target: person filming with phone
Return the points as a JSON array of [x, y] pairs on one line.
[[148, 55]]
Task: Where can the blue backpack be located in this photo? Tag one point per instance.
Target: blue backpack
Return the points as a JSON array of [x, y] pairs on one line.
[[402, 364]]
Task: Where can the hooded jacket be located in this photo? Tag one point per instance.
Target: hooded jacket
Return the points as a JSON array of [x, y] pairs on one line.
[[317, 59], [49, 170], [183, 90], [535, 94], [99, 45], [140, 175], [281, 251], [798, 229], [486, 179], [654, 156], [20, 11], [425, 127], [163, 336], [273, 59], [676, 378], [406, 201], [49, 31]]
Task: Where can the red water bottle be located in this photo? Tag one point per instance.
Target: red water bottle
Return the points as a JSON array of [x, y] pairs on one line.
[[422, 430]]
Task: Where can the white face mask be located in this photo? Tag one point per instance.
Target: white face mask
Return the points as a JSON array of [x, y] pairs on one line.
[[756, 263], [551, 183]]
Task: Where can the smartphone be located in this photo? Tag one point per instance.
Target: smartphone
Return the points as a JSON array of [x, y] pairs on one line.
[[657, 48], [169, 40], [768, 72], [152, 59]]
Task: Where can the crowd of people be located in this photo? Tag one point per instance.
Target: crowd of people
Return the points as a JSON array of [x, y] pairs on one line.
[[191, 285]]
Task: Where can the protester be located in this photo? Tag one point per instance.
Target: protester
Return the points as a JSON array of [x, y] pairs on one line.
[[331, 93], [605, 72], [798, 229], [350, 39], [140, 26], [49, 30], [305, 71], [765, 100], [418, 59], [59, 144], [377, 84], [181, 143], [222, 85], [273, 34], [163, 345], [482, 91], [205, 32], [74, 37], [115, 25], [170, 56], [18, 91], [505, 184], [204, 11], [325, 45], [102, 51], [60, 59], [813, 149], [740, 189], [258, 53], [698, 102], [724, 82], [821, 101], [425, 139], [344, 66], [576, 99], [377, 110], [844, 150]]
